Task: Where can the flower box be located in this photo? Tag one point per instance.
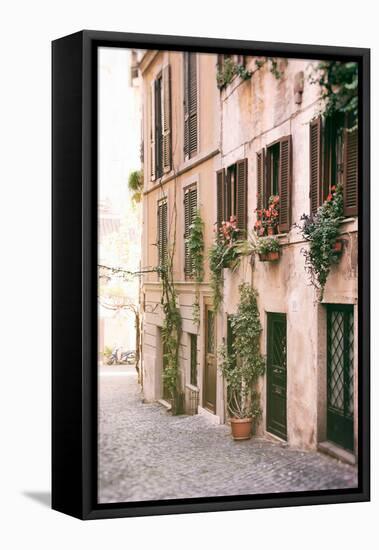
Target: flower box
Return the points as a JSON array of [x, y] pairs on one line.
[[269, 257]]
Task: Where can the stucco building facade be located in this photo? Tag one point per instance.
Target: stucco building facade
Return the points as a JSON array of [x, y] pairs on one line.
[[224, 152]]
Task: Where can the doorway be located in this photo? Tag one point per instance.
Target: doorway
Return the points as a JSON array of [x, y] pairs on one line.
[[277, 374]]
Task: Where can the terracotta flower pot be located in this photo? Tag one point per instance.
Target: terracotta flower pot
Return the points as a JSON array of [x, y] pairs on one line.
[[269, 257], [271, 231], [241, 428], [337, 246]]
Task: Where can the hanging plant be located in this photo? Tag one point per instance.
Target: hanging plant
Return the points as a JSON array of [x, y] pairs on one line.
[[225, 252], [135, 184], [339, 88], [321, 231], [243, 364], [195, 243]]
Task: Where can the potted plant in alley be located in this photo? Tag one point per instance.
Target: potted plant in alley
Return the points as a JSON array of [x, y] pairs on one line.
[[268, 249], [242, 364]]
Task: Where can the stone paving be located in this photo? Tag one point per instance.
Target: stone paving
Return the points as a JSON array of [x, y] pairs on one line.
[[147, 454]]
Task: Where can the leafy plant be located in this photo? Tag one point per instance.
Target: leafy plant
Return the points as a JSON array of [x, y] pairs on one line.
[[265, 245], [225, 253], [229, 69], [195, 243], [339, 88], [107, 352], [321, 230], [135, 184], [216, 253], [243, 364]]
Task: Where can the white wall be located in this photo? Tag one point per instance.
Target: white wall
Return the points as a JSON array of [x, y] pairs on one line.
[[27, 29]]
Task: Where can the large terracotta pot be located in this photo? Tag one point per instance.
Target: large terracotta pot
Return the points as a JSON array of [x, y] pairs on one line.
[[241, 428]]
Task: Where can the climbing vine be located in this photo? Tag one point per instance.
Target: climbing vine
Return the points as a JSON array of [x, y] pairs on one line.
[[195, 243], [230, 69], [242, 364], [339, 88], [172, 323]]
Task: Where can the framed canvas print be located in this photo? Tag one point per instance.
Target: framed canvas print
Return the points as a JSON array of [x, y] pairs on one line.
[[210, 274]]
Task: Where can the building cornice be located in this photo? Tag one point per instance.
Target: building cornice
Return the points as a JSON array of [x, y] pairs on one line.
[[147, 59]]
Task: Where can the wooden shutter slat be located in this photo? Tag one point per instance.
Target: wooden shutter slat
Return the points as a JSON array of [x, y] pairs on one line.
[[315, 194], [350, 173], [190, 105], [285, 182], [152, 131], [261, 178], [220, 182], [187, 266], [186, 104], [162, 233], [241, 195], [166, 118], [192, 90]]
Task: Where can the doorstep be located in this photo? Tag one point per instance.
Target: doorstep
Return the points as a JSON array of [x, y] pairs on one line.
[[335, 451], [165, 404]]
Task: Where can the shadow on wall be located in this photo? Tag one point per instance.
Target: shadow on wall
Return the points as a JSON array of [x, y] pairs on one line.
[[42, 497]]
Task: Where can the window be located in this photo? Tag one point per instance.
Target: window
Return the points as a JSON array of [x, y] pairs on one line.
[[160, 127], [274, 177], [193, 359], [190, 105], [232, 194], [190, 208], [162, 237], [333, 160]]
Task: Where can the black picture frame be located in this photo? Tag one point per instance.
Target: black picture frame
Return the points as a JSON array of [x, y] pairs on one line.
[[74, 332]]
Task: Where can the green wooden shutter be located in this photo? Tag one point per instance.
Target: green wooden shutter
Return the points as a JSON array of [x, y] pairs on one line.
[[220, 182], [261, 178], [285, 182], [166, 118], [315, 193], [350, 173], [241, 195]]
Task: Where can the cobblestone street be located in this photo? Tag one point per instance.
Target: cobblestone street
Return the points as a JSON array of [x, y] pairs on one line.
[[146, 454]]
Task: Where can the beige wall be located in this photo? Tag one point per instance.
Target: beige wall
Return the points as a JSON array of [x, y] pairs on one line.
[[240, 120]]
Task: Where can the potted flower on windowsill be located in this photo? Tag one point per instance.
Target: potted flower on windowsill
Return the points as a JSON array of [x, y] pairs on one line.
[[268, 218], [242, 364], [268, 249]]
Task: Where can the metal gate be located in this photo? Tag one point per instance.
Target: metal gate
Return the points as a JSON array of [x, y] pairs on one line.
[[277, 374], [340, 375]]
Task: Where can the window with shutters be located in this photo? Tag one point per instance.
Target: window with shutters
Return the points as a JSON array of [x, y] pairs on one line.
[[190, 102], [162, 232], [232, 195], [160, 131], [333, 151], [274, 178], [190, 207]]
